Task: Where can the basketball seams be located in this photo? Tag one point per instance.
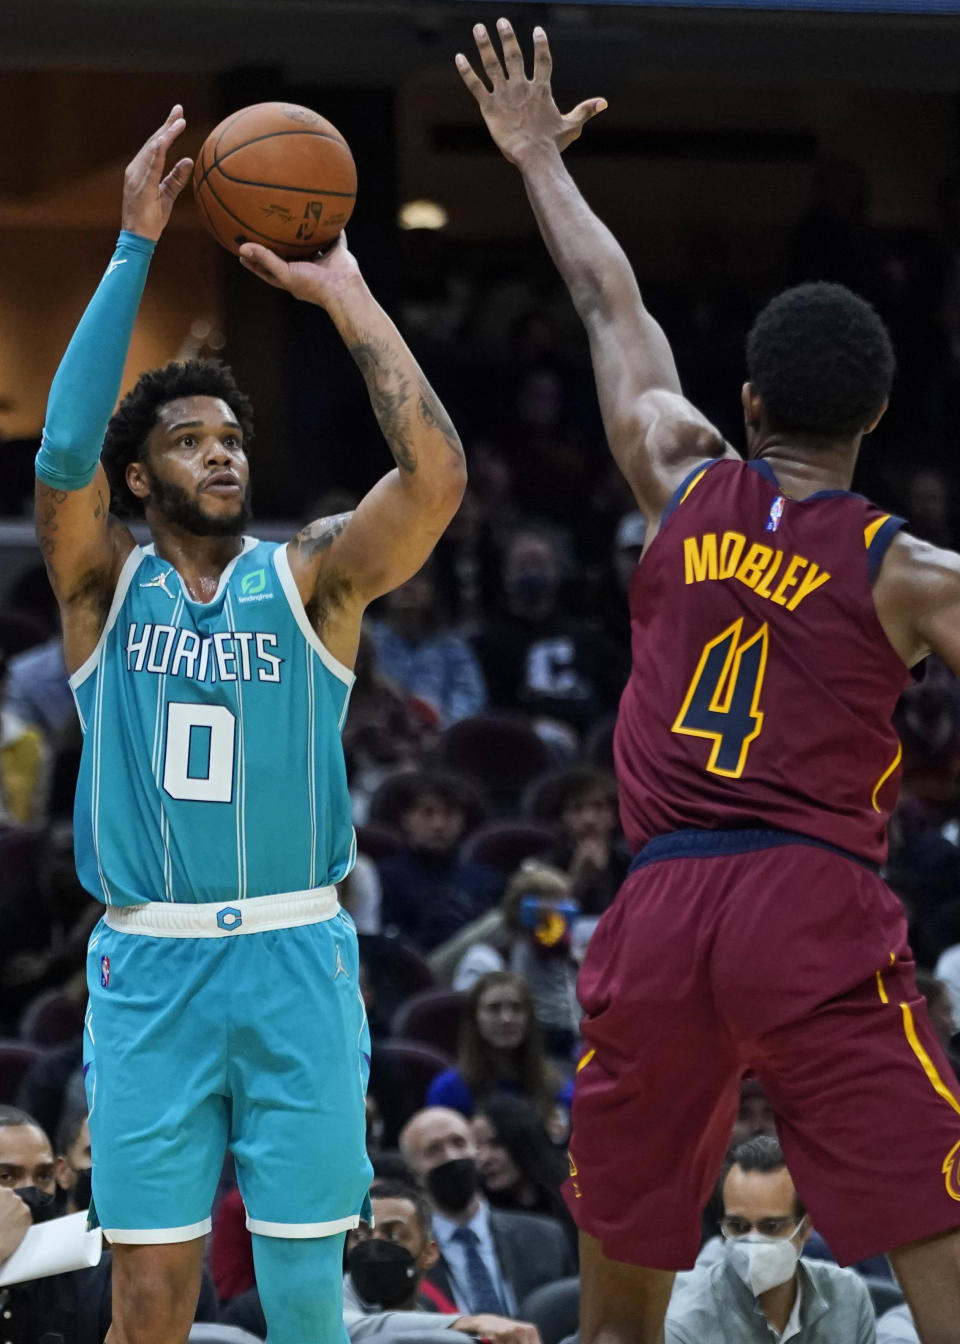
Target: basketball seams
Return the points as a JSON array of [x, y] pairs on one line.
[[229, 197], [308, 248], [273, 135]]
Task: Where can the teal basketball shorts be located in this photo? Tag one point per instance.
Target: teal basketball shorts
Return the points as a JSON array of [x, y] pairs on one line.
[[209, 1027]]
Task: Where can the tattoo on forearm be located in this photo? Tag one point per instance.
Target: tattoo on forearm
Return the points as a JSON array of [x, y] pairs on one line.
[[435, 417], [390, 391], [47, 503], [319, 536]]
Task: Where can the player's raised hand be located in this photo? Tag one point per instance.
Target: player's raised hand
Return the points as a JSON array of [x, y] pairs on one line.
[[520, 113], [323, 279], [148, 190]]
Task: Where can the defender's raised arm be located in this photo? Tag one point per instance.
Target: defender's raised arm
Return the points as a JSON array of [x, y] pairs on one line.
[[654, 433], [83, 552]]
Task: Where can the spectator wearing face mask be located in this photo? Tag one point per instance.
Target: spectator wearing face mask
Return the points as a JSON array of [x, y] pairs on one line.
[[760, 1289], [73, 1307], [384, 1293], [74, 1161], [536, 657], [489, 1260]]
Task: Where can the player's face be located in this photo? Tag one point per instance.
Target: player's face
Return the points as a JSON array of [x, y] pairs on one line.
[[502, 1018], [497, 1168], [26, 1159], [195, 471]]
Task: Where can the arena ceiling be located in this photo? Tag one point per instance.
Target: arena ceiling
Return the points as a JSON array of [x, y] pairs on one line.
[[382, 42]]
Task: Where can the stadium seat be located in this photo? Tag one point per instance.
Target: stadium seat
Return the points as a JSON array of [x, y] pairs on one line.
[[15, 1058], [400, 1073], [598, 748], [433, 1017], [378, 842], [394, 792], [52, 1018], [505, 844], [499, 752], [553, 1309], [884, 1293], [395, 970]]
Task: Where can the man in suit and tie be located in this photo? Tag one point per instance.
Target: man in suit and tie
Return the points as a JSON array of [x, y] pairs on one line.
[[490, 1260]]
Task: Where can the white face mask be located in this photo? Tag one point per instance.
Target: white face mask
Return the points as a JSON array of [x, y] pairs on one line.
[[763, 1262]]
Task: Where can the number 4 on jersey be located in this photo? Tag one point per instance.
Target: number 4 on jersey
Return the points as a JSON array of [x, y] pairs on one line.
[[722, 700]]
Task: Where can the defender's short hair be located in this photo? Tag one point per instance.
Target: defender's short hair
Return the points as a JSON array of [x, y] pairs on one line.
[[136, 416], [821, 358]]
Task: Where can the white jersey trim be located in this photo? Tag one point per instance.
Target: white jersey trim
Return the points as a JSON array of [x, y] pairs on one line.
[[157, 1236], [281, 563], [302, 1231], [248, 544], [130, 567]]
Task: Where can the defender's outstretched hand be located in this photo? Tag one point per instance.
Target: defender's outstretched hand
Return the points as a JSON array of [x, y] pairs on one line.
[[520, 113], [148, 195], [321, 280]]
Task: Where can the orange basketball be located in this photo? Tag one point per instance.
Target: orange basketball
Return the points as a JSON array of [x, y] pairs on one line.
[[275, 174]]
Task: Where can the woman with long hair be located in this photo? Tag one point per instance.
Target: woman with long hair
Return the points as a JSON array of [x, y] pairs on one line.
[[501, 1051], [520, 1167]]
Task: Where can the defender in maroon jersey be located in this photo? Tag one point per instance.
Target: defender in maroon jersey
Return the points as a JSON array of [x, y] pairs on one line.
[[775, 616]]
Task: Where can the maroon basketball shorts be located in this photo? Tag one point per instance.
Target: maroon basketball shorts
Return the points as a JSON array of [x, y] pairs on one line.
[[756, 950]]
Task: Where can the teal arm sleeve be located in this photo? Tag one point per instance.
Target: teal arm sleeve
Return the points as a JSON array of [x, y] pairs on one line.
[[87, 383]]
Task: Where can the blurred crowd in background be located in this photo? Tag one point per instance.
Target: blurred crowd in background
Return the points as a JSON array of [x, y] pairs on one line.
[[479, 735]]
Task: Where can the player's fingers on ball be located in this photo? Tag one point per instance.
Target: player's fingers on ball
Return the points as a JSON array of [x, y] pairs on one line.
[[542, 59], [512, 55]]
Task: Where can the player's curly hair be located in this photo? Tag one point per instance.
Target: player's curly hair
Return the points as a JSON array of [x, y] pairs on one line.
[[821, 358], [136, 416]]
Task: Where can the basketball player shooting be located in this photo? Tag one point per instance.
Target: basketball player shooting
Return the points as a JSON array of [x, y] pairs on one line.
[[775, 618], [211, 673]]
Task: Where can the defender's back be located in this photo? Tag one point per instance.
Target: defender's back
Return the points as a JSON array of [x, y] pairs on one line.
[[763, 684]]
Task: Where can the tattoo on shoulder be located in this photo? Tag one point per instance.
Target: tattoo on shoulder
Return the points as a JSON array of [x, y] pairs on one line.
[[434, 416], [390, 393], [319, 536]]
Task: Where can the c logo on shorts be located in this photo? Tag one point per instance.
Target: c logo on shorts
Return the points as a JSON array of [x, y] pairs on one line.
[[229, 918], [951, 1175]]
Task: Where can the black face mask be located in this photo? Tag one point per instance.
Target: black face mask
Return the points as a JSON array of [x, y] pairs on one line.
[[82, 1192], [453, 1184], [384, 1274], [40, 1204]]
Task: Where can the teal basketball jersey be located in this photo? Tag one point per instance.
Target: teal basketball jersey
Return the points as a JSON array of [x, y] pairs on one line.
[[212, 767]]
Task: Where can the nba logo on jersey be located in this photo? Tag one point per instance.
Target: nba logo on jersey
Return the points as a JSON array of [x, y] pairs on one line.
[[776, 513], [104, 972]]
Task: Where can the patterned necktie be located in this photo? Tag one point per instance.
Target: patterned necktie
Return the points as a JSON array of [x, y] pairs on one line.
[[481, 1287]]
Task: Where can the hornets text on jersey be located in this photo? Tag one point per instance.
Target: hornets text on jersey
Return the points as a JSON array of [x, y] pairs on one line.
[[212, 767]]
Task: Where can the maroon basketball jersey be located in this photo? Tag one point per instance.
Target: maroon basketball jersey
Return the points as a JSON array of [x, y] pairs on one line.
[[763, 684]]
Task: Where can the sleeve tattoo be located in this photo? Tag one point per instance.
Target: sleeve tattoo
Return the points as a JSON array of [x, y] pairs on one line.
[[319, 536]]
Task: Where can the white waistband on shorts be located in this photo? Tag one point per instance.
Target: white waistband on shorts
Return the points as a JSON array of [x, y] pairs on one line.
[[209, 919]]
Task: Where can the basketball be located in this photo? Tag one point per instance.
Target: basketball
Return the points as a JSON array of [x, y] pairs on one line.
[[275, 174]]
